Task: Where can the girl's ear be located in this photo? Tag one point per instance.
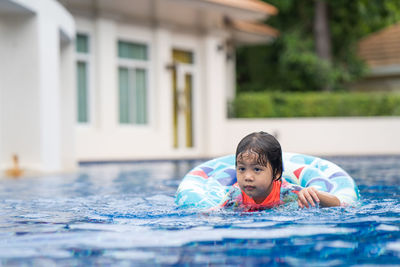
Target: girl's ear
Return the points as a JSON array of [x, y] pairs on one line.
[[277, 176]]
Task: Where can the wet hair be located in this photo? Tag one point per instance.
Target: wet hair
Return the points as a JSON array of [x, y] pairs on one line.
[[266, 148]]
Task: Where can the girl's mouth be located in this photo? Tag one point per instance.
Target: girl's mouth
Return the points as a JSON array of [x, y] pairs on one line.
[[249, 187]]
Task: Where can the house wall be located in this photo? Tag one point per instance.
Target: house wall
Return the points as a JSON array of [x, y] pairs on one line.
[[31, 92], [104, 138], [379, 84], [382, 78], [320, 136], [19, 90], [38, 98]]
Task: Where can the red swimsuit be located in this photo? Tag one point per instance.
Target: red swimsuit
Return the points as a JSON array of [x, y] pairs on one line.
[[272, 200]]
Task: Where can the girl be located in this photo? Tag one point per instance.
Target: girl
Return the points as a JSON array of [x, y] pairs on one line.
[[259, 178]]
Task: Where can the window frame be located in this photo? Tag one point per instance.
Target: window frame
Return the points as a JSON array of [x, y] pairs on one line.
[[86, 58], [133, 65]]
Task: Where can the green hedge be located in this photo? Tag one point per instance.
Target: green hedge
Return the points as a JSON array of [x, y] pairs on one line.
[[273, 105]]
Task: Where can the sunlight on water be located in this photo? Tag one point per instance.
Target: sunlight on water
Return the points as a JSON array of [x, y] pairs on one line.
[[125, 214]]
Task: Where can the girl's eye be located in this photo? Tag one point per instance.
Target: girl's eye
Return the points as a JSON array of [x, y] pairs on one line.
[[240, 169], [257, 169]]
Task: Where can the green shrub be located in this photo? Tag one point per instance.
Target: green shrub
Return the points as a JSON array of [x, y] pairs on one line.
[[312, 104]]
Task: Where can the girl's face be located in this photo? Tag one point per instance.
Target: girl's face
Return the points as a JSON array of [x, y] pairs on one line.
[[254, 179]]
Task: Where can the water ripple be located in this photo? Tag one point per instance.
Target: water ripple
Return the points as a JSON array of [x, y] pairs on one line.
[[125, 215]]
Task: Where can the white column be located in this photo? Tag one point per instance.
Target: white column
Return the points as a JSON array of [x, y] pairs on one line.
[[231, 78], [30, 104], [215, 73], [163, 86], [68, 105], [19, 106], [107, 83], [49, 91]]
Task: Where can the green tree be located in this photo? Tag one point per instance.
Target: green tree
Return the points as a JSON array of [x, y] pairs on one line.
[[307, 57]]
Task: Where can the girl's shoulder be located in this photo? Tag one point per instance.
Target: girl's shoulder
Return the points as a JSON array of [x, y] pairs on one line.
[[233, 197], [289, 191]]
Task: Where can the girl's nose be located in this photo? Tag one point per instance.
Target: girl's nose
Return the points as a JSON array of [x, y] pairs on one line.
[[248, 176]]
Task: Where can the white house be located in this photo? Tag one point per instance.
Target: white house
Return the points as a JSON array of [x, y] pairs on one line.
[[381, 52], [95, 80], [154, 75], [112, 80]]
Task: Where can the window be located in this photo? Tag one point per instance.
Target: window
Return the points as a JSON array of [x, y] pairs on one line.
[[82, 77], [133, 85]]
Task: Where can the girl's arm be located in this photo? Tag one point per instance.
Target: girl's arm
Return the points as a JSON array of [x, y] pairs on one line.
[[310, 196]]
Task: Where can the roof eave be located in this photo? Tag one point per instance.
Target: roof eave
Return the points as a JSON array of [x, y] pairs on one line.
[[252, 33], [240, 9]]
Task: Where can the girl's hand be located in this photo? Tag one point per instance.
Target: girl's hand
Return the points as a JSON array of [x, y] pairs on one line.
[[308, 196], [311, 196]]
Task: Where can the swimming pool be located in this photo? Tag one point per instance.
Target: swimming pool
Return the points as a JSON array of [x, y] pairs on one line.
[[124, 214]]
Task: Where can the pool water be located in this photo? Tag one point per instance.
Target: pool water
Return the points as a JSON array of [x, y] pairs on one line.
[[124, 214]]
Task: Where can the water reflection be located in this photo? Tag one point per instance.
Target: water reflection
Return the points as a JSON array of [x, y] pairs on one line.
[[120, 214]]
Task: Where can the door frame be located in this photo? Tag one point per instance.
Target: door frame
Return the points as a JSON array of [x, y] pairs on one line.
[[191, 44]]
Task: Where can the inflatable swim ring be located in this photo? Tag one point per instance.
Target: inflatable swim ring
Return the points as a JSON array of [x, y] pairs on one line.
[[207, 185]]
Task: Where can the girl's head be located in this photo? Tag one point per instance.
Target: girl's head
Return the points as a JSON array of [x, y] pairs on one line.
[[266, 149]]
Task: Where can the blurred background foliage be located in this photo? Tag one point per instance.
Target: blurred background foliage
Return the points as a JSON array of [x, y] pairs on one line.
[[293, 63], [314, 104]]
